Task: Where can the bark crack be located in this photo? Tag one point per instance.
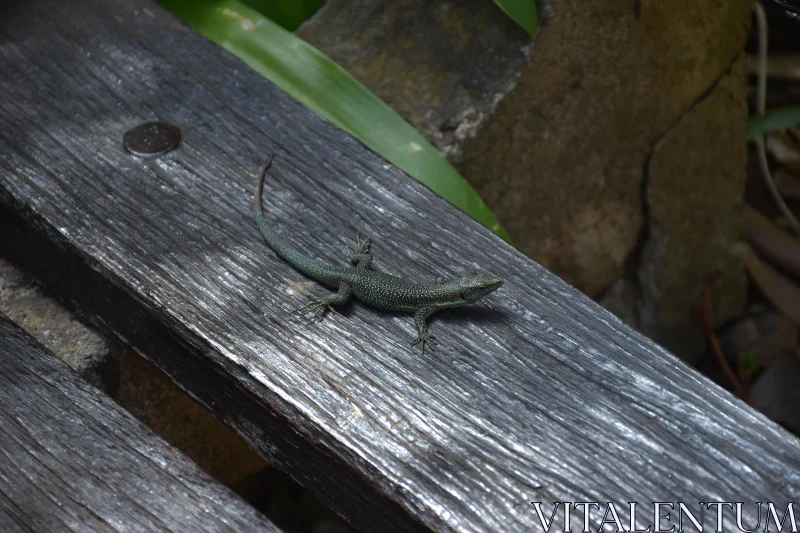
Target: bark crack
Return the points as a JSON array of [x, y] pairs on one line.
[[634, 269]]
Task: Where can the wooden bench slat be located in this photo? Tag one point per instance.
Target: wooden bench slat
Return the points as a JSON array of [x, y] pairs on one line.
[[73, 460], [537, 394]]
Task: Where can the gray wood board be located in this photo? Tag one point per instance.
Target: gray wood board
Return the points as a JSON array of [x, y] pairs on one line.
[[535, 394], [73, 460]]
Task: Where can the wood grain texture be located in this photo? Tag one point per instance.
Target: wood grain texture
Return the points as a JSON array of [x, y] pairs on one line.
[[536, 394], [73, 460]]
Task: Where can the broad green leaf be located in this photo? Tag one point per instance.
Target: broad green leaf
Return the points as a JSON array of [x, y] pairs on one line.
[[324, 87], [774, 119], [523, 12]]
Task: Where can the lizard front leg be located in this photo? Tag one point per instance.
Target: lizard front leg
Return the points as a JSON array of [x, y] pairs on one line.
[[360, 255], [321, 305], [420, 316]]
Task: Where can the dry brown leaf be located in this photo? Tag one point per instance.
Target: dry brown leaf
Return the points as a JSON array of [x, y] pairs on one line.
[[771, 242], [766, 331], [782, 67], [776, 393], [784, 150], [781, 290], [788, 183]]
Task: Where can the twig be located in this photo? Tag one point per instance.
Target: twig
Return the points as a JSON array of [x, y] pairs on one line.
[[705, 314]]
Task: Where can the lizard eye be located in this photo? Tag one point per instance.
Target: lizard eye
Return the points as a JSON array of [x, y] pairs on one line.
[[474, 272]]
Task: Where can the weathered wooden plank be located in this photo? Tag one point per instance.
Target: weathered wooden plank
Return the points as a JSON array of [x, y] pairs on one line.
[[73, 460], [538, 394]]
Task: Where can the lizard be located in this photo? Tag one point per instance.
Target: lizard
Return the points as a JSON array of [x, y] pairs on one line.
[[375, 288]]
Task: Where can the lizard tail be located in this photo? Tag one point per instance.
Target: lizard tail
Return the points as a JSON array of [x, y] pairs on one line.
[[269, 235], [258, 210], [308, 266]]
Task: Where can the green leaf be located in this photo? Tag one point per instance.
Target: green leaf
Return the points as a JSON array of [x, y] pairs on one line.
[[774, 119], [523, 12], [324, 87], [748, 360]]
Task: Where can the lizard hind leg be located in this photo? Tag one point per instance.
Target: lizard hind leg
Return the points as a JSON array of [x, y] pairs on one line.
[[360, 255], [319, 306], [424, 338]]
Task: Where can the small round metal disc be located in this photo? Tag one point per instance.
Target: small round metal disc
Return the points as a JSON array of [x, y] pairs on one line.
[[151, 139]]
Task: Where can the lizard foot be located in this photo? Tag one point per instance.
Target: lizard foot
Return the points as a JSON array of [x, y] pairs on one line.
[[361, 248], [425, 338]]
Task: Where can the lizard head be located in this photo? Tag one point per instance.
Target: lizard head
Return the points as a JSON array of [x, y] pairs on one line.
[[475, 286]]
